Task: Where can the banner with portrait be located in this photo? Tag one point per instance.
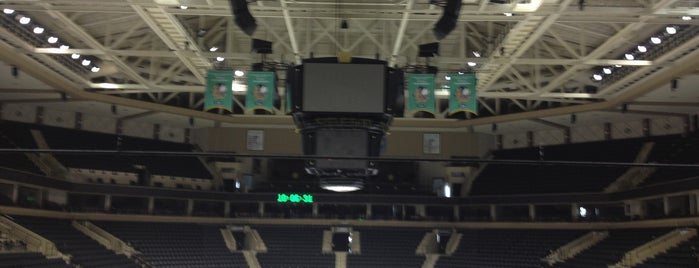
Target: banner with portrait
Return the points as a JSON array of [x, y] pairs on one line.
[[261, 90], [219, 91], [462, 93], [421, 93]]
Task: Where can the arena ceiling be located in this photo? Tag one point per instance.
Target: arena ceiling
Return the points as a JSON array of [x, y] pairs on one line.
[[536, 64]]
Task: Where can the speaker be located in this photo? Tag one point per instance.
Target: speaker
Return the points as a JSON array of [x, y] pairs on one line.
[[242, 16], [447, 22], [428, 50], [261, 46]]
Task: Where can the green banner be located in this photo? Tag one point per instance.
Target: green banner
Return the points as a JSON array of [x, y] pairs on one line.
[[261, 91], [219, 91], [462, 93], [421, 93]]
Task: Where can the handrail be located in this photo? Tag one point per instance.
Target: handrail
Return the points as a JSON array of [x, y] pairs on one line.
[[34, 241]]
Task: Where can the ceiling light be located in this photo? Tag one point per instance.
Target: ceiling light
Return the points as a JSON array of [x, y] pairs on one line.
[[447, 77], [64, 47], [24, 20], [477, 54], [184, 7], [53, 39], [239, 73], [671, 30], [95, 69], [213, 49], [655, 40], [341, 184], [508, 14], [606, 70], [642, 49], [219, 59], [629, 56], [86, 62], [75, 56], [597, 77], [617, 65], [470, 63], [8, 11], [38, 30], [683, 17]]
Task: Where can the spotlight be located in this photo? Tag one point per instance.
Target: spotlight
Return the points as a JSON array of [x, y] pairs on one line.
[[75, 56], [86, 62], [683, 17], [53, 39], [8, 11], [239, 73], [671, 30], [629, 56], [242, 16], [471, 64], [219, 59], [597, 77], [25, 20], [476, 54], [64, 47], [655, 40], [95, 69], [642, 49], [507, 14], [607, 70], [213, 49], [38, 30], [447, 23]]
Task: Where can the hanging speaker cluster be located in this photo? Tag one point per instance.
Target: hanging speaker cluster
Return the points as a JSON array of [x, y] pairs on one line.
[[242, 16], [447, 22]]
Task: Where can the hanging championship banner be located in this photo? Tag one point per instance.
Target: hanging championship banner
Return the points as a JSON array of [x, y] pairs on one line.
[[421, 93], [462, 93], [219, 92], [260, 91]]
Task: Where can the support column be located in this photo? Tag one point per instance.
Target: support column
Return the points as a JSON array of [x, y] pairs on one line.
[[666, 206], [227, 209], [694, 204], [575, 212], [261, 208], [15, 193], [190, 207], [457, 213], [368, 211], [107, 202], [151, 205], [420, 211], [40, 197], [315, 210], [493, 213], [532, 212]]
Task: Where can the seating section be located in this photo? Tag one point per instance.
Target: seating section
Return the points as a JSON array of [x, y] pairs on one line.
[[506, 247], [61, 138], [685, 255], [613, 248], [502, 179], [674, 150], [388, 248], [29, 259], [85, 251], [177, 244], [293, 246], [18, 161]]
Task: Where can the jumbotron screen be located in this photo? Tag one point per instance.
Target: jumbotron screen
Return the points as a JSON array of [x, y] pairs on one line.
[[344, 87]]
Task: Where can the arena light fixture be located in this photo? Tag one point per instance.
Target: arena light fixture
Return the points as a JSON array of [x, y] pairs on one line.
[[75, 56], [507, 14], [629, 56], [184, 7], [38, 30], [476, 54], [8, 11], [341, 184], [471, 64], [642, 49], [220, 59], [64, 47], [52, 39], [447, 77], [655, 40], [683, 17], [597, 77], [213, 49], [671, 30], [95, 69], [607, 70], [86, 62], [239, 73], [24, 20]]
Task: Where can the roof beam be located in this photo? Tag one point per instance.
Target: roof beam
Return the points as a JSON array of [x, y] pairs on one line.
[[401, 33], [292, 33]]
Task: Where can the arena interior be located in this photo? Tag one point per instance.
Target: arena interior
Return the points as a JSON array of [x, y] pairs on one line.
[[582, 149]]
